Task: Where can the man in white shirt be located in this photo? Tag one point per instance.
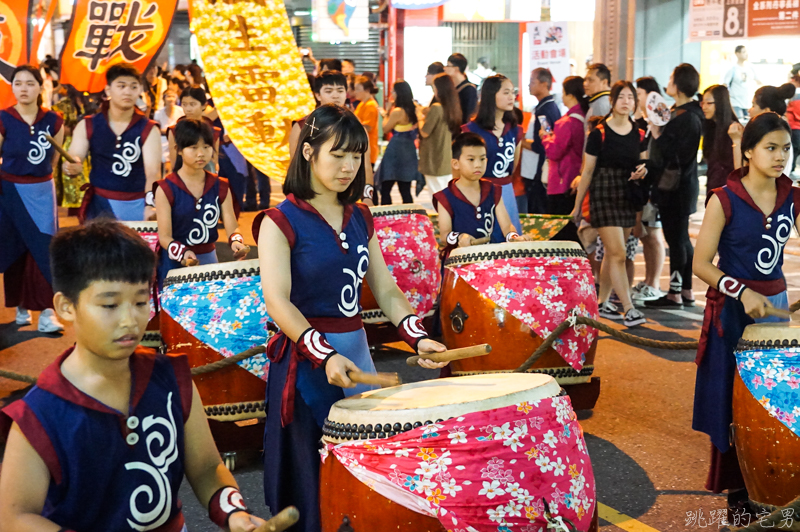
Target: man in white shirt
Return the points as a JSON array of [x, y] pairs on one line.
[[741, 80]]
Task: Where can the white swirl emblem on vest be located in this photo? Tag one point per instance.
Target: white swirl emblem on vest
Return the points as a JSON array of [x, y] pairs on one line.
[[349, 303], [488, 223], [130, 154], [163, 452], [208, 221], [769, 255], [506, 158], [38, 153]]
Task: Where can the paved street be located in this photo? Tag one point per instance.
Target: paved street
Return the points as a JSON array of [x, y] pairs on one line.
[[649, 465]]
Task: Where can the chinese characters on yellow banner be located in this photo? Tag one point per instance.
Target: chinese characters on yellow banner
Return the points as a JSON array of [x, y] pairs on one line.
[[255, 75], [106, 32]]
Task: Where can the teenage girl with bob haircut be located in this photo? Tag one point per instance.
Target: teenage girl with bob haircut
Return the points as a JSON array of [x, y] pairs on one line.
[[756, 208], [322, 247]]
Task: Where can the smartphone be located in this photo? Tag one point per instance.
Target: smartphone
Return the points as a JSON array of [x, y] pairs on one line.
[[545, 124]]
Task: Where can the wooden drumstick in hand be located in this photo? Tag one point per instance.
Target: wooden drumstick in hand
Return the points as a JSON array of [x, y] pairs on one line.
[[384, 380], [64, 153], [453, 354], [286, 518], [779, 313]]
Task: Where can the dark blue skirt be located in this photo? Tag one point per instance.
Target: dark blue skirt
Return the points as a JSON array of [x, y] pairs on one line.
[[400, 162]]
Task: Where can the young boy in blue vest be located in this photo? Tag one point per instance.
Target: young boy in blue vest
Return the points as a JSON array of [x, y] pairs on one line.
[[125, 149], [102, 442], [471, 209]]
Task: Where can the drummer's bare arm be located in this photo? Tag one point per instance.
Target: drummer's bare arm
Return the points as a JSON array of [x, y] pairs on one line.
[[232, 228], [393, 302], [506, 226], [204, 469], [23, 487], [164, 215], [216, 155], [445, 224], [370, 179], [277, 288], [703, 263], [59, 138], [173, 148], [151, 155], [589, 162], [78, 148], [294, 136]]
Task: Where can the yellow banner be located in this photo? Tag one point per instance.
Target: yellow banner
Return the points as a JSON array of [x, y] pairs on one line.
[[255, 74]]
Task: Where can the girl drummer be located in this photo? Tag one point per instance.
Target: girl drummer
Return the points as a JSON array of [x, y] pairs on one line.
[[190, 202], [747, 222], [322, 247], [28, 216]]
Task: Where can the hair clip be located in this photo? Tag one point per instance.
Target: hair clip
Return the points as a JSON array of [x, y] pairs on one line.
[[313, 127]]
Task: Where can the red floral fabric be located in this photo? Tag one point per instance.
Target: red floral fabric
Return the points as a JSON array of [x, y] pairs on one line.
[[542, 292], [485, 471]]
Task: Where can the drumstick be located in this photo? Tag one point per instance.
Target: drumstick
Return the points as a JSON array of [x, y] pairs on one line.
[[777, 312], [62, 151], [286, 518], [453, 354], [383, 380], [480, 241], [192, 262]]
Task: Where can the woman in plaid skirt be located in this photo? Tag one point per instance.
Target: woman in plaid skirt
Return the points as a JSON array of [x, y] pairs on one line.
[[611, 163]]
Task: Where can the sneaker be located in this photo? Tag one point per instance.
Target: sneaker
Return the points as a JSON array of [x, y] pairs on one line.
[[48, 322], [645, 293], [663, 302], [609, 311], [23, 316], [633, 318]]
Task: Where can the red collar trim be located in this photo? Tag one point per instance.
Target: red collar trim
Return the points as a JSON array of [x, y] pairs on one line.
[[54, 381], [306, 206], [137, 115], [783, 184], [39, 115], [486, 189], [211, 180]]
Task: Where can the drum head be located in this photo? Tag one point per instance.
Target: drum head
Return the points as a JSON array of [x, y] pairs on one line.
[[394, 210], [442, 398], [761, 335], [511, 250], [211, 271], [142, 227]]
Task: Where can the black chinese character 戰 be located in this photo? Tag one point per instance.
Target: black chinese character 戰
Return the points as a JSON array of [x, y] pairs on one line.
[[104, 23]]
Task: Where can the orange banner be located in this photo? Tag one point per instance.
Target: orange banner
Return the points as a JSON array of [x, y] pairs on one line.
[[13, 44], [107, 32], [41, 15]]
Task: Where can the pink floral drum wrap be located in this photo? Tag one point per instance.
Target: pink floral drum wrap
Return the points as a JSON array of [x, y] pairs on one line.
[[488, 470]]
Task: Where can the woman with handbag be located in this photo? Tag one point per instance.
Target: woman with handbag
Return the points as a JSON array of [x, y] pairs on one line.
[[677, 189], [612, 162]]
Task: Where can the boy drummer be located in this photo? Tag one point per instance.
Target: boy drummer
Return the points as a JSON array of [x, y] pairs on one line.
[[125, 149]]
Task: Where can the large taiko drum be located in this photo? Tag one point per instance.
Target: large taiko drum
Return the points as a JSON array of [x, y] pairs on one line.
[[405, 233], [396, 458], [149, 233], [512, 296], [766, 413], [212, 312]]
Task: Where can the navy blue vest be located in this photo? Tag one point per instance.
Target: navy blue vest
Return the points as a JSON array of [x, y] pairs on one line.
[[327, 268], [110, 472], [480, 221], [499, 151], [751, 244], [25, 150], [117, 162], [194, 220]]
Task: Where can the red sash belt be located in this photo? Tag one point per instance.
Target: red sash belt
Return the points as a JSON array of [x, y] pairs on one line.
[[90, 190], [24, 179], [280, 346], [715, 301], [500, 180]]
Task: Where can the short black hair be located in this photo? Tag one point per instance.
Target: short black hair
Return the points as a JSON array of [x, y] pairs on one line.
[[330, 64], [196, 93], [188, 132], [543, 75], [330, 122], [366, 83], [122, 70], [738, 49], [32, 70], [466, 140], [435, 68], [459, 61], [648, 84], [601, 71], [330, 77], [686, 79], [102, 250]]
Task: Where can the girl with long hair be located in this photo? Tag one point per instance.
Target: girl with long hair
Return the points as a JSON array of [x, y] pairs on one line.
[[613, 153], [756, 206], [496, 123], [322, 247], [28, 215], [399, 164], [438, 125], [717, 143]]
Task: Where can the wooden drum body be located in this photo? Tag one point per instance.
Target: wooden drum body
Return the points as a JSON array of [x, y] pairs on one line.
[[149, 233], [390, 411], [482, 303], [764, 428], [213, 312]]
